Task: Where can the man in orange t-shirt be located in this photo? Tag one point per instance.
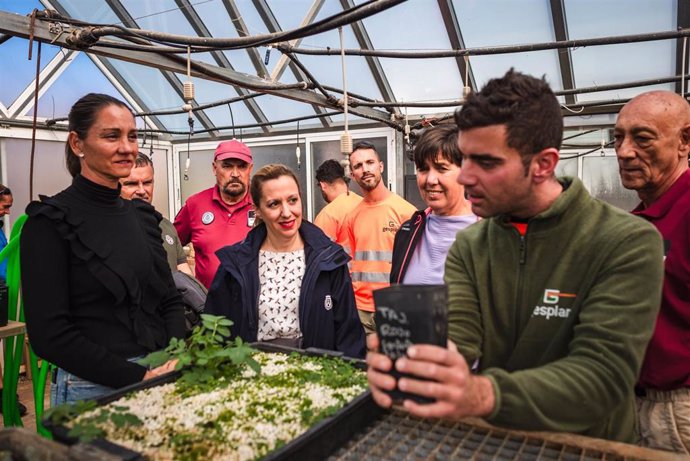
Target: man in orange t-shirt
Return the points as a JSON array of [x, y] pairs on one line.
[[371, 229], [330, 177]]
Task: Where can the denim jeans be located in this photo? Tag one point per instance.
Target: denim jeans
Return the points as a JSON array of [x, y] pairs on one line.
[[69, 388]]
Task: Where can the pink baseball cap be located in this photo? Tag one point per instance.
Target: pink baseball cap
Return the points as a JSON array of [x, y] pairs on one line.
[[233, 149]]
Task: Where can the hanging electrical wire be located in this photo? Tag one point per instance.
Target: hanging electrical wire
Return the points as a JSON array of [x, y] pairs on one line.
[[345, 138], [188, 92], [603, 145], [298, 151], [232, 120], [310, 77], [467, 89], [684, 58], [33, 123], [188, 162]]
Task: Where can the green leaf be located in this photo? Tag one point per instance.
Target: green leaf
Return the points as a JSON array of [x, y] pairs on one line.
[[125, 419], [86, 432], [185, 358], [118, 420], [155, 359], [68, 411], [226, 322], [254, 365], [132, 420]]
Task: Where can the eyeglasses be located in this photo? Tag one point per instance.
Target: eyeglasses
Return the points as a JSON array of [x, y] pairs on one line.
[[5, 191]]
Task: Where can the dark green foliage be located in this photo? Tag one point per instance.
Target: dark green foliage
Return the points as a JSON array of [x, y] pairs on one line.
[[205, 356], [88, 429]]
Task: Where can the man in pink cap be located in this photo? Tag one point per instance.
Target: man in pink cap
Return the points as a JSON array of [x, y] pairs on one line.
[[221, 215]]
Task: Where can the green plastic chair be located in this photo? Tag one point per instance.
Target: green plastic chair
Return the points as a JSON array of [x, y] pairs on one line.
[[14, 345]]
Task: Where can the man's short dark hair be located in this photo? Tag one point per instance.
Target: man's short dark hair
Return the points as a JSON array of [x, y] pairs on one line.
[[143, 160], [525, 104], [330, 171], [439, 140], [365, 145]]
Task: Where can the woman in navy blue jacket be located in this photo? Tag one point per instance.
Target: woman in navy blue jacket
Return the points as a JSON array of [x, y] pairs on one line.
[[287, 282]]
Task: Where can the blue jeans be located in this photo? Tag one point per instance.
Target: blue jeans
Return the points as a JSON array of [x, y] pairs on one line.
[[69, 388]]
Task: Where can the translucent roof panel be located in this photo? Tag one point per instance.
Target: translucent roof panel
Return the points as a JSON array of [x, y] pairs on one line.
[[601, 65], [88, 10], [278, 108], [164, 16], [14, 79], [155, 92], [410, 80], [20, 6], [291, 14], [79, 78], [218, 22], [487, 23], [207, 91], [327, 69]]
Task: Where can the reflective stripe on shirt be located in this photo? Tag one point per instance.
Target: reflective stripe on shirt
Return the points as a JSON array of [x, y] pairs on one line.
[[374, 255], [375, 277]]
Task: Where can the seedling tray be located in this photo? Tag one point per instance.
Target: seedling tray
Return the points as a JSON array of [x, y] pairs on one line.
[[318, 442]]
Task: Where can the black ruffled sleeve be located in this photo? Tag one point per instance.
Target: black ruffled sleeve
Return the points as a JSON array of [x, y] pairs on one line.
[[45, 258], [53, 241]]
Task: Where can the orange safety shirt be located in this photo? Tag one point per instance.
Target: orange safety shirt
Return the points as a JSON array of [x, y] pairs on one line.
[[371, 229], [332, 217]]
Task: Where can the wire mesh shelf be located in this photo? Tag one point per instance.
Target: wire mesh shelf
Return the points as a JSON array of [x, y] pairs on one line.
[[396, 436]]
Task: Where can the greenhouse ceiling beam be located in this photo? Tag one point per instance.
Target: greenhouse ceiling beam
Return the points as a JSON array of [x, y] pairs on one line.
[[450, 19], [273, 26], [373, 62], [272, 23], [46, 32], [560, 28], [683, 23], [242, 31], [200, 28], [114, 77], [174, 81]]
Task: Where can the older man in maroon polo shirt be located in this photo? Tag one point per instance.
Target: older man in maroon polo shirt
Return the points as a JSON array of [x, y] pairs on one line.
[[652, 144], [221, 215]]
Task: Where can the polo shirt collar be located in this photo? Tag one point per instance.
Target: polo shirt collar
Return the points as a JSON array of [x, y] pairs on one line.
[[664, 203], [217, 198]]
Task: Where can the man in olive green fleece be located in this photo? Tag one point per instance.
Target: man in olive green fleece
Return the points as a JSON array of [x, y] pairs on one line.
[[552, 297]]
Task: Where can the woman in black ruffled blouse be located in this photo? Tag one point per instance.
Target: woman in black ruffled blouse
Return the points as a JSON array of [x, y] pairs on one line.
[[97, 289]]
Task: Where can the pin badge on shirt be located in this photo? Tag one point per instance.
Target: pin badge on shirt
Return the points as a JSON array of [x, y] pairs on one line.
[[207, 218], [251, 218], [169, 239], [328, 303]]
